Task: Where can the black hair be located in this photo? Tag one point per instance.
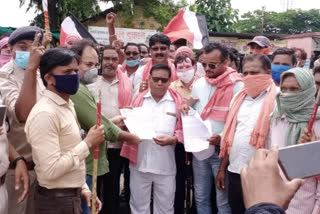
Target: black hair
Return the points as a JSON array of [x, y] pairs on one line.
[[161, 38], [142, 44], [234, 56], [264, 60], [285, 51], [56, 57], [161, 67], [316, 70], [199, 53], [80, 45], [131, 44], [217, 46], [304, 54]]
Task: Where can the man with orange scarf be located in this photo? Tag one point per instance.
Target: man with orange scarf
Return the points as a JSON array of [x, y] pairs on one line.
[[159, 48], [152, 162], [247, 125], [115, 94], [214, 92]]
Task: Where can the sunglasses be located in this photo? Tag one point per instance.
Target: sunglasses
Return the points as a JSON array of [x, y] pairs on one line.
[[210, 65], [163, 48], [132, 53], [157, 79]]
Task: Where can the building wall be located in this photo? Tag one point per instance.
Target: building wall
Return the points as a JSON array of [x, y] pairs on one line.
[[304, 43]]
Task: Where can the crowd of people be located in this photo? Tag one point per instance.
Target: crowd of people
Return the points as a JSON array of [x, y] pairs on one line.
[[49, 133]]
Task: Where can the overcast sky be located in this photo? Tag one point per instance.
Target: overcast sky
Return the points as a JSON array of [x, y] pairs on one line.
[[13, 16]]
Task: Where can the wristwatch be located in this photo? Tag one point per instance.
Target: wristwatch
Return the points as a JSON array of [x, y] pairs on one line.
[[14, 162]]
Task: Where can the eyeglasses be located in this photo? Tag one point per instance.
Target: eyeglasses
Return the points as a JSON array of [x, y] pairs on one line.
[[210, 65], [144, 52], [157, 79], [162, 48], [132, 53]]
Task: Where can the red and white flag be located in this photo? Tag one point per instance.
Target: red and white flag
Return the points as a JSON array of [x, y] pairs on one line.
[[72, 26], [190, 26], [46, 15]]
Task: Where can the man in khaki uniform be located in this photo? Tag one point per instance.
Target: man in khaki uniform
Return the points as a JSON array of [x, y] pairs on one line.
[[21, 87]]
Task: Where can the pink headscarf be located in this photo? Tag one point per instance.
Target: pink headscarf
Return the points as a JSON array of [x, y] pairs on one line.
[[71, 38], [4, 57]]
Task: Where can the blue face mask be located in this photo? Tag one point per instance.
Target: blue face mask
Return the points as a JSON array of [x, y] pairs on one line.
[[68, 84], [277, 70], [132, 63], [22, 59]]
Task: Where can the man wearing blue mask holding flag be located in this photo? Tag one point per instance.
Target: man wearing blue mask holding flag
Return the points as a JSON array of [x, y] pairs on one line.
[[21, 87], [283, 59]]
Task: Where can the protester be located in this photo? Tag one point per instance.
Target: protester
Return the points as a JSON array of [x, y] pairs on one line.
[[159, 48], [295, 104], [21, 87], [283, 59], [172, 51], [200, 72], [247, 125], [316, 76], [4, 164], [144, 51], [53, 133], [264, 191], [147, 165], [70, 40], [185, 67], [116, 92], [214, 92], [5, 51], [301, 56], [132, 62], [233, 59], [85, 107], [260, 44]]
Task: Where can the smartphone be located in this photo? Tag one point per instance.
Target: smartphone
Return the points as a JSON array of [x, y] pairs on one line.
[[300, 161], [3, 110]]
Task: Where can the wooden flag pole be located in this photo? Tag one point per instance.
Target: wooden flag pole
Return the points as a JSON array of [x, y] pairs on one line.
[[95, 159], [314, 113]]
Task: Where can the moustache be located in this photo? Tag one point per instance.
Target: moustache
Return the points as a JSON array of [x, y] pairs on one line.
[[159, 55]]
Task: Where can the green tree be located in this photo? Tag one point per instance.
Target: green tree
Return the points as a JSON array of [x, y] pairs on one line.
[[59, 9], [289, 22], [161, 10], [219, 14]]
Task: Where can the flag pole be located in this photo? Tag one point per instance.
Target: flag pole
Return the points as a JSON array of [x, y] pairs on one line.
[[46, 18], [95, 159], [314, 113]]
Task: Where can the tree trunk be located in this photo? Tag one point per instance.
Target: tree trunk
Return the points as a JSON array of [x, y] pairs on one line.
[[53, 10]]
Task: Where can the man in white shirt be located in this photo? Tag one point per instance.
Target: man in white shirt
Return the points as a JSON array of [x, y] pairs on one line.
[[247, 125], [153, 161]]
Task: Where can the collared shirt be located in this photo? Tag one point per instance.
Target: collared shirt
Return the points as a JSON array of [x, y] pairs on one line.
[[11, 79], [182, 89], [109, 101], [58, 151], [203, 91], [307, 198], [241, 151], [86, 109], [152, 157]]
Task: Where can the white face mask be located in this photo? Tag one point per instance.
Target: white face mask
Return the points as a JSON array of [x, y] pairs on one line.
[[186, 76], [90, 76]]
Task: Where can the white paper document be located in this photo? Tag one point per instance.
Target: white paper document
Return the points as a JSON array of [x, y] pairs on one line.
[[195, 133], [139, 122]]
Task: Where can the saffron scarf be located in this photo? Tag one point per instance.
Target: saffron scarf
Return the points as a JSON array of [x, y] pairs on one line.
[[218, 106], [253, 85], [124, 89], [131, 151]]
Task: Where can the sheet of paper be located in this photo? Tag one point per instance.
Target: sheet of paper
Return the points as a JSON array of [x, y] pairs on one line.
[[139, 122], [196, 132]]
